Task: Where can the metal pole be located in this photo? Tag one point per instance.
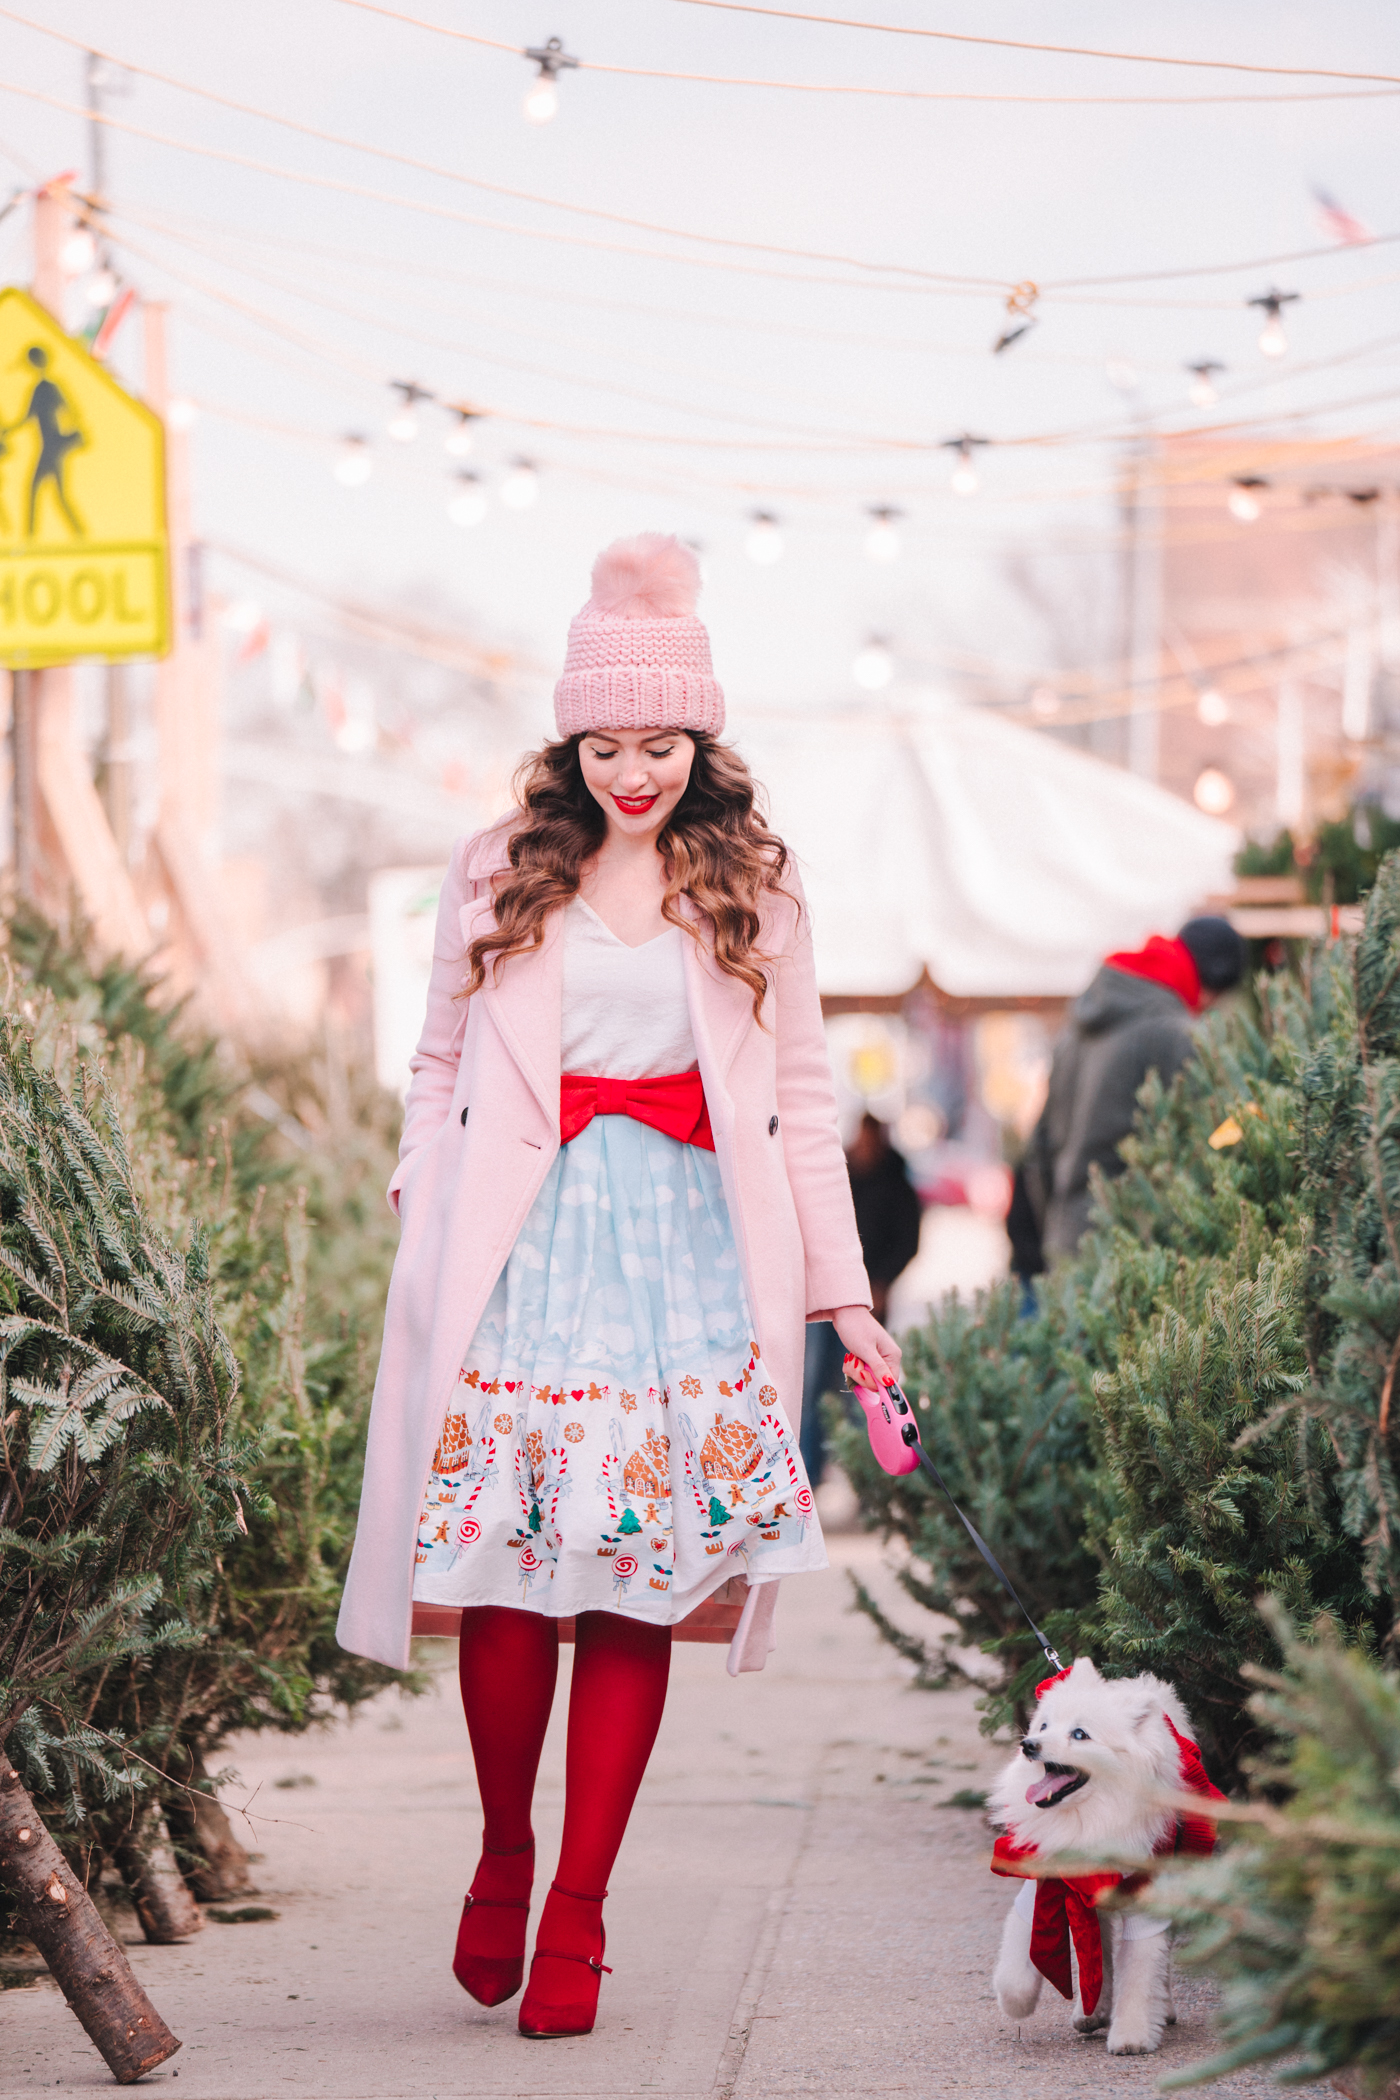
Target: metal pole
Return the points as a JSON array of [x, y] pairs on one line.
[[97, 131], [24, 782]]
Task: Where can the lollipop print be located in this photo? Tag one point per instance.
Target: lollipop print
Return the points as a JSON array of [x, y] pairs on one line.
[[624, 1566], [468, 1531], [529, 1562], [803, 1501]]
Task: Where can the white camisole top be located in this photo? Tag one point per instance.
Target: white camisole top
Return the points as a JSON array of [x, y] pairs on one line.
[[626, 1015]]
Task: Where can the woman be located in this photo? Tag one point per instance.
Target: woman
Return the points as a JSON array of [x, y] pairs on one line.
[[622, 1193]]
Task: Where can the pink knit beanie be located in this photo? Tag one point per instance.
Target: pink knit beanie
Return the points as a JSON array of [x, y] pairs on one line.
[[638, 658]]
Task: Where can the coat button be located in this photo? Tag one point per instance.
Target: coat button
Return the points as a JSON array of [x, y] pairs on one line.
[[772, 1126], [464, 1119]]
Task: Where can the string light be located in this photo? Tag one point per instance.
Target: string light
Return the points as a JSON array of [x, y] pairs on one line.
[[521, 486], [1214, 792], [874, 666], [764, 542], [1243, 503], [882, 541], [1120, 374], [1045, 703], [101, 288], [181, 413], [1212, 707], [467, 503], [1272, 340], [355, 462], [542, 97], [78, 253], [1202, 392], [460, 441], [964, 477], [402, 425]]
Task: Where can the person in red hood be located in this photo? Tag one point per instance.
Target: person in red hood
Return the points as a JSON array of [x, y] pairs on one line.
[[1135, 1018]]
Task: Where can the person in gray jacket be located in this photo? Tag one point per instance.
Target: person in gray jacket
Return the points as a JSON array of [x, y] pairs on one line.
[[1135, 1018]]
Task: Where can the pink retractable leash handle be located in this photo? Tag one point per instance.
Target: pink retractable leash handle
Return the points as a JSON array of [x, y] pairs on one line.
[[894, 1441], [894, 1434]]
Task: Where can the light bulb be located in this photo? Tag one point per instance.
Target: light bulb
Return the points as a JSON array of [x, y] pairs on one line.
[[467, 503], [402, 425], [1202, 392], [460, 441], [78, 253], [764, 542], [541, 100], [1119, 373], [1272, 339], [354, 464], [1214, 792], [1045, 702], [521, 486], [101, 288], [964, 480], [1212, 707], [882, 541], [874, 667], [181, 413], [1244, 505]]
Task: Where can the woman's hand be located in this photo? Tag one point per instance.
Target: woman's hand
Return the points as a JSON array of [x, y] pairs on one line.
[[863, 1336]]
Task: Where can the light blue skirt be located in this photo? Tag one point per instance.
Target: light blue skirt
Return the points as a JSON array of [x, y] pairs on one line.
[[614, 1442]]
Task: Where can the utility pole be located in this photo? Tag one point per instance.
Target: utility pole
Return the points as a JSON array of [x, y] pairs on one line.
[[117, 792], [1143, 610]]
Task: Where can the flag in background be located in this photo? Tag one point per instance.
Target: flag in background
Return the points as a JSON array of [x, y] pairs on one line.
[[1337, 224]]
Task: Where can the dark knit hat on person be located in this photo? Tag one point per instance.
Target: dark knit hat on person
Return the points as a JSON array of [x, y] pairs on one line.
[[1218, 952]]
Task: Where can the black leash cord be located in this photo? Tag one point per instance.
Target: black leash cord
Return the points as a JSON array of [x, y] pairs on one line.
[[910, 1435], [982, 1547]]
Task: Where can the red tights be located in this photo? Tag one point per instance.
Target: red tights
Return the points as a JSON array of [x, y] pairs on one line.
[[509, 1662]]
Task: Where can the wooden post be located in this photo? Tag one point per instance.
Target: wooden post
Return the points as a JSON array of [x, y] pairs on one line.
[[57, 1913]]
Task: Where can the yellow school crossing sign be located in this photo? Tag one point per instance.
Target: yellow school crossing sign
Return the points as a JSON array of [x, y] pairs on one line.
[[83, 555]]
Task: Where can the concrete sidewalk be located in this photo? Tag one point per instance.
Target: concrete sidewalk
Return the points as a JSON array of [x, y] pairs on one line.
[[795, 1910]]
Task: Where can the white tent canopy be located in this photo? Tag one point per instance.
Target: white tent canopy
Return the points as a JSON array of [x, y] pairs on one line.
[[1002, 861]]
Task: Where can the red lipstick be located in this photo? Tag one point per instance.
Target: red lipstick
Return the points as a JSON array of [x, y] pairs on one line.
[[635, 805]]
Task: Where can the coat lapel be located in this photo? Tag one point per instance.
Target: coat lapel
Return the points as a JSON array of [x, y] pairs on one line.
[[525, 999], [721, 1008]]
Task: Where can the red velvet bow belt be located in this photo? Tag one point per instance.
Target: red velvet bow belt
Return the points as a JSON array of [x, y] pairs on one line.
[[674, 1104]]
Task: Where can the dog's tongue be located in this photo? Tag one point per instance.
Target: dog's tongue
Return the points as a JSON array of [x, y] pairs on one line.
[[1041, 1789]]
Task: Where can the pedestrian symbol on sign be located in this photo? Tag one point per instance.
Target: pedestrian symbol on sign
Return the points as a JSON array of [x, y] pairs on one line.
[[83, 555], [47, 409]]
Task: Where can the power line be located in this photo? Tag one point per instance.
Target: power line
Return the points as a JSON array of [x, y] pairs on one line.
[[904, 94], [1006, 43], [495, 189]]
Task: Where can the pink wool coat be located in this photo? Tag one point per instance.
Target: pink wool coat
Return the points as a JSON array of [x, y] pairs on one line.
[[481, 1128]]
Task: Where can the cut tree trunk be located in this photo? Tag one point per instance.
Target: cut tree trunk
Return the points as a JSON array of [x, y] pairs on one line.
[[1349, 2082], [165, 1907], [211, 1859], [56, 1912]]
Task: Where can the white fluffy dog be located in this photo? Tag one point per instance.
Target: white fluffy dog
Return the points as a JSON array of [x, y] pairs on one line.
[[1088, 1779]]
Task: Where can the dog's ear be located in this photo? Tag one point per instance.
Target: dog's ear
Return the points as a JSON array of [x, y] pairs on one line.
[[1144, 1711]]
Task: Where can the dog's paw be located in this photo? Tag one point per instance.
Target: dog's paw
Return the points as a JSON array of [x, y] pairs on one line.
[[1018, 2000], [1089, 2023], [1132, 2041]]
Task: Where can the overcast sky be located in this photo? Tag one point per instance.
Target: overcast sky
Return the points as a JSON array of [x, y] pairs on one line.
[[662, 391]]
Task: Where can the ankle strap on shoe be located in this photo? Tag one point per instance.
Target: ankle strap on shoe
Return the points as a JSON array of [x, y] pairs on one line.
[[590, 1961], [508, 1851], [578, 1895], [495, 1902]]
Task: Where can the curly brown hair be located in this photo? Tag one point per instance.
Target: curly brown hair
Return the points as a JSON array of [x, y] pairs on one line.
[[717, 849]]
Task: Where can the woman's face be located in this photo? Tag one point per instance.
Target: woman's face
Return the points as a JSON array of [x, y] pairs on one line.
[[637, 775]]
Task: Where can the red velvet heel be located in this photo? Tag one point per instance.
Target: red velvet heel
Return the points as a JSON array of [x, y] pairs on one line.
[[560, 2002], [486, 1964]]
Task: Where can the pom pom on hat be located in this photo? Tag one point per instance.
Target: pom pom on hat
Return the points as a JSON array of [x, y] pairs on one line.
[[638, 658], [651, 577]]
